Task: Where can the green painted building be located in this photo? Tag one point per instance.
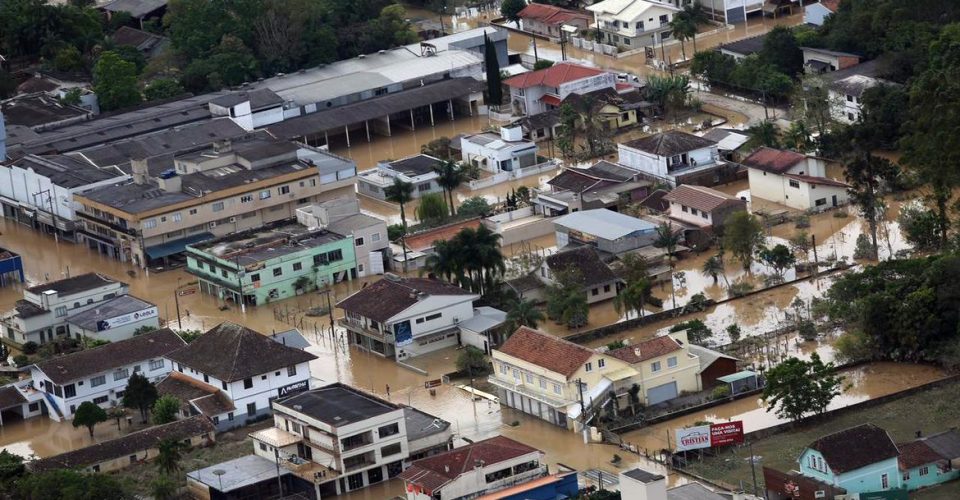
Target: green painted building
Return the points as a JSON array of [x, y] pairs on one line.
[[271, 263]]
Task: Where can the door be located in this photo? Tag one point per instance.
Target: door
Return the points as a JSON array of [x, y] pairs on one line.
[[376, 263], [661, 393], [834, 200]]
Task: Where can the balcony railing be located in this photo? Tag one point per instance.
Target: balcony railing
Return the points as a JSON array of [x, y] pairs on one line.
[[356, 325], [515, 479]]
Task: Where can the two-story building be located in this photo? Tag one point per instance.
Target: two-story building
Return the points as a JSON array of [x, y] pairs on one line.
[[702, 211], [548, 377], [602, 185], [846, 87], [41, 316], [342, 439], [100, 375], [419, 170], [400, 317], [675, 157], [542, 90], [474, 470], [792, 179], [232, 187], [548, 20], [371, 247], [665, 365], [598, 281], [250, 368], [607, 231], [632, 24], [274, 262], [819, 61], [495, 153]]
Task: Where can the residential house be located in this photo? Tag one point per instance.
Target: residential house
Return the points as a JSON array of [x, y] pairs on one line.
[[816, 13], [702, 211], [597, 280], [235, 186], [427, 435], [743, 48], [419, 170], [400, 317], [547, 20], [341, 439], [642, 485], [274, 262], [198, 398], [607, 231], [421, 243], [554, 379], [860, 459], [730, 142], [140, 10], [632, 24], [538, 91], [100, 375], [249, 476], [602, 185], [930, 460], [819, 61], [615, 108], [41, 315], [730, 11], [130, 449], [495, 153], [479, 468], [792, 179], [148, 44], [665, 366], [845, 89], [713, 365], [116, 319], [676, 157], [342, 216], [250, 368], [16, 406]]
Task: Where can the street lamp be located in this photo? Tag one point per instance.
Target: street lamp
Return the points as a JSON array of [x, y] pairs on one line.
[[219, 473]]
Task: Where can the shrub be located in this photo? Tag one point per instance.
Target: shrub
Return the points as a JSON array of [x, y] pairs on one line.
[[395, 231], [720, 392], [740, 289], [30, 347], [476, 206], [21, 360], [472, 361]]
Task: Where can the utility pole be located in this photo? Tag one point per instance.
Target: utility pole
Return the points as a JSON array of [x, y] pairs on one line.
[[753, 469], [53, 214], [583, 412], [240, 274], [176, 300], [536, 58], [816, 264], [276, 456], [329, 306]]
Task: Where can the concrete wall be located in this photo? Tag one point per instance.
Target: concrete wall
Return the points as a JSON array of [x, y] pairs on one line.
[[121, 332]]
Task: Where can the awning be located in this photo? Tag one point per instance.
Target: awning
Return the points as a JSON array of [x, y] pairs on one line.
[[551, 100], [737, 376], [175, 246]]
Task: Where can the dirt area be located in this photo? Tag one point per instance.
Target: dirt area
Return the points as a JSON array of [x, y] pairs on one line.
[[928, 411], [949, 491]]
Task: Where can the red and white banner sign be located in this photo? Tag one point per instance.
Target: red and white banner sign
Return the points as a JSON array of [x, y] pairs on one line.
[[707, 436]]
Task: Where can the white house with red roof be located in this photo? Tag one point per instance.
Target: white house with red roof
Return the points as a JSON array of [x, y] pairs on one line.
[[538, 91], [473, 470], [544, 19], [792, 179]]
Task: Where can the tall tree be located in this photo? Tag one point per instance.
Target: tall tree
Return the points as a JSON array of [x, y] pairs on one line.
[[633, 297], [780, 49], [510, 10], [89, 415], [779, 258], [743, 236], [115, 82], [866, 175], [763, 134], [524, 313], [796, 387], [449, 177], [683, 29], [165, 409], [567, 299], [432, 208], [668, 239], [695, 16], [140, 394], [169, 454], [401, 192], [713, 267], [492, 65]]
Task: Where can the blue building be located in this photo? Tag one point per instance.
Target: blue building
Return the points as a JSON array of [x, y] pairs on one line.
[[931, 460], [11, 265], [553, 487]]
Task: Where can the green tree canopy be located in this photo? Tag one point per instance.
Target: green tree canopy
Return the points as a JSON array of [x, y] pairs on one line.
[[115, 82], [511, 8], [140, 394], [743, 236], [89, 415], [67, 484], [796, 388], [165, 409]]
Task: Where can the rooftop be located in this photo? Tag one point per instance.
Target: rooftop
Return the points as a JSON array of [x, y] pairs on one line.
[[142, 40], [434, 472], [493, 141], [207, 399], [856, 85], [421, 424], [415, 165], [585, 260], [232, 352], [856, 447], [424, 240], [74, 284], [82, 364], [605, 224], [833, 53], [746, 46], [551, 14], [391, 295], [352, 223], [775, 161], [337, 405], [727, 139], [136, 8], [554, 76], [670, 143], [67, 171], [628, 9], [701, 198], [259, 99], [271, 241], [694, 491], [118, 306], [238, 473], [547, 351], [642, 475], [578, 181], [36, 110], [917, 453], [946, 443], [648, 349]]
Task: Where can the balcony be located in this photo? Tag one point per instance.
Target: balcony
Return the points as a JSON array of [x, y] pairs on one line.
[[359, 327], [552, 399], [515, 479]]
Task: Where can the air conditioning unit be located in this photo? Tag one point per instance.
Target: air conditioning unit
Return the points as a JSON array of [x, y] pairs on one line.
[[820, 494], [212, 225], [233, 219]]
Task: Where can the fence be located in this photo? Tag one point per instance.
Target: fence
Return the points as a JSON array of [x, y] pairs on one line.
[[519, 173]]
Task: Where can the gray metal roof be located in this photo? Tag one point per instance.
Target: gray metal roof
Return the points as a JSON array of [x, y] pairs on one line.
[[351, 223], [124, 304], [604, 223], [693, 491], [238, 473], [136, 8], [642, 475], [38, 109], [421, 424], [265, 243], [291, 338], [337, 405], [66, 171]]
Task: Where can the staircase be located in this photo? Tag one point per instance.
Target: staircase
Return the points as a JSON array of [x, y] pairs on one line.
[[55, 413]]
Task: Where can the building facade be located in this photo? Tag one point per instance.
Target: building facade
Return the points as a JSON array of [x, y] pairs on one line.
[[119, 318], [499, 153], [632, 24], [539, 91], [419, 170], [794, 180], [672, 156]]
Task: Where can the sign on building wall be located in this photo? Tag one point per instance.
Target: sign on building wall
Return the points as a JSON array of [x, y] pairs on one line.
[[707, 436], [293, 388], [106, 324], [403, 333]]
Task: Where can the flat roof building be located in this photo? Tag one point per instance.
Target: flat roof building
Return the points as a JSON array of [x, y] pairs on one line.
[[116, 319]]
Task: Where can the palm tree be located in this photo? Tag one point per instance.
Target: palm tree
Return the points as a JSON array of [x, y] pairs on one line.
[[450, 176], [798, 137], [442, 262], [683, 30], [524, 313], [713, 267], [763, 134], [695, 17], [401, 192], [169, 455], [633, 297], [668, 239]]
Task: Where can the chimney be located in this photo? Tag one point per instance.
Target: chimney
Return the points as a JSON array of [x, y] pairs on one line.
[[170, 184], [511, 134], [138, 167], [222, 146]]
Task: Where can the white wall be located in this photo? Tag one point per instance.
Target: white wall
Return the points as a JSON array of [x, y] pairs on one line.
[[642, 161], [589, 84], [474, 481], [29, 329], [121, 332], [844, 108], [451, 307], [677, 212], [803, 196]]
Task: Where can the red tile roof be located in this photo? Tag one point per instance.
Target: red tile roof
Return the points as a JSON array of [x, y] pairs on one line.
[[434, 472], [776, 161], [648, 349], [551, 100], [550, 14], [917, 453], [545, 350], [388, 297], [823, 181], [701, 198], [553, 76]]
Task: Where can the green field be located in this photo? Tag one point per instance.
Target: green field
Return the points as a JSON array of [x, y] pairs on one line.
[[929, 411]]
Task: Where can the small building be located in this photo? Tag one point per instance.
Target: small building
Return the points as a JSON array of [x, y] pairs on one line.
[[494, 153], [602, 185], [100, 375], [616, 109], [342, 216], [473, 470], [547, 20], [665, 367], [116, 319], [274, 262], [642, 485], [792, 179], [11, 265], [860, 459], [41, 316], [252, 369], [250, 110], [198, 398], [16, 406], [564, 485], [133, 448], [140, 10], [702, 206], [148, 44], [419, 170], [483, 330], [730, 11], [598, 281], [427, 435], [845, 89], [632, 24], [819, 61], [40, 111], [401, 318], [713, 365], [816, 14], [676, 157], [743, 48], [740, 382], [246, 477], [730, 142], [607, 231], [421, 243], [545, 89]]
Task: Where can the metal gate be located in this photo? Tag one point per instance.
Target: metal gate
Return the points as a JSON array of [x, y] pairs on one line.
[[661, 393]]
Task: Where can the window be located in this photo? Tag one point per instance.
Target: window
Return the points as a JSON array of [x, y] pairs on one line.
[[503, 368], [100, 400], [206, 378], [217, 207], [375, 237], [223, 384], [821, 202], [263, 447], [277, 271], [176, 217], [684, 208], [156, 364], [133, 459], [543, 383], [230, 416], [595, 291], [297, 266], [664, 19], [95, 468], [61, 311], [606, 288], [588, 367], [247, 383], [516, 374], [358, 242], [850, 117], [265, 194], [672, 362], [387, 451], [693, 211], [283, 190], [334, 256], [813, 462], [223, 272], [849, 98], [529, 378], [601, 363], [292, 371], [355, 481], [69, 391], [121, 374], [655, 366], [704, 215], [247, 198], [639, 26], [556, 388], [193, 211], [884, 481], [626, 41], [423, 187], [794, 184], [255, 277], [251, 408], [922, 472], [150, 223], [389, 430], [906, 476]]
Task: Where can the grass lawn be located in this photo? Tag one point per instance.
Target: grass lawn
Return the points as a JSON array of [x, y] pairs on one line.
[[949, 491], [929, 411]]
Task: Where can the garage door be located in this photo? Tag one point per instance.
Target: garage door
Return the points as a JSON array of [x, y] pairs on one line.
[[661, 393]]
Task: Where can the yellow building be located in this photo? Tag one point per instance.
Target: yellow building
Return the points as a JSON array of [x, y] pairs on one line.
[[666, 368]]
